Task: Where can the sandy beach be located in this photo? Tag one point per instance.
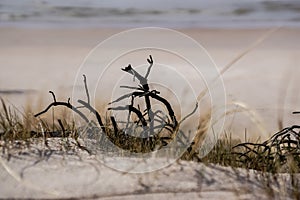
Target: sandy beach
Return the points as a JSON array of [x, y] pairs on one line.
[[72, 173], [264, 81], [209, 95]]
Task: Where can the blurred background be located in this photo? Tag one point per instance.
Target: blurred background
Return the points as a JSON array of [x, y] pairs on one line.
[[43, 43], [136, 13]]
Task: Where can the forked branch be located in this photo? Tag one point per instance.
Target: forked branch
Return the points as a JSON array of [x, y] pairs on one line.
[[119, 136], [65, 104]]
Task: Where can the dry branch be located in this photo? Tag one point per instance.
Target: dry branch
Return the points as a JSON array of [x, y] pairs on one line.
[[65, 104], [118, 136], [274, 152]]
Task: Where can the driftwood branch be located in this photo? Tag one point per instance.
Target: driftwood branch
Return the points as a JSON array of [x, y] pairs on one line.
[[90, 108], [86, 89], [150, 61], [115, 125], [146, 118], [125, 96], [65, 104], [53, 95], [144, 91], [168, 106], [278, 149], [132, 88], [130, 70], [132, 109]]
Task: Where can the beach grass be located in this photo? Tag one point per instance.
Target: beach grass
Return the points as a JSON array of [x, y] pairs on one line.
[[278, 154]]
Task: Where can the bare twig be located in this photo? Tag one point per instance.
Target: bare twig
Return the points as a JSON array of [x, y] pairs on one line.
[[66, 104], [115, 125], [53, 95], [150, 61], [119, 137], [129, 87], [131, 109], [130, 70], [168, 106], [86, 89], [89, 107]]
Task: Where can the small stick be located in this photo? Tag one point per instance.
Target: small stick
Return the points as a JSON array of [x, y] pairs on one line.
[[132, 109], [53, 95], [66, 104], [86, 88], [150, 61], [88, 106], [115, 125]]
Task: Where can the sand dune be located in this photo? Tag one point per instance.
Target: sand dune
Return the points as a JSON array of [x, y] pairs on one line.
[[50, 172]]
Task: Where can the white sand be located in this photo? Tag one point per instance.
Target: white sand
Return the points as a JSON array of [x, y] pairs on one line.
[[57, 174]]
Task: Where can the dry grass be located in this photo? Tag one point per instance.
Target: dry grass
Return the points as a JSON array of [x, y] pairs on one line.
[[22, 125], [276, 155], [280, 153]]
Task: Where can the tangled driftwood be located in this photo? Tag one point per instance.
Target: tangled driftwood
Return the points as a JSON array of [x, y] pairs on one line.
[[146, 119], [281, 150]]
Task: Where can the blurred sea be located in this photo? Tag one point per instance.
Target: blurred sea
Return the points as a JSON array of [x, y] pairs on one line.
[[139, 13]]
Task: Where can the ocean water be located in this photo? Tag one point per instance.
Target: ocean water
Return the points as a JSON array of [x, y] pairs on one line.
[[140, 13]]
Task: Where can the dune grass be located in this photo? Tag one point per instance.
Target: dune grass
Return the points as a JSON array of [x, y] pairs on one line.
[[278, 154]]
